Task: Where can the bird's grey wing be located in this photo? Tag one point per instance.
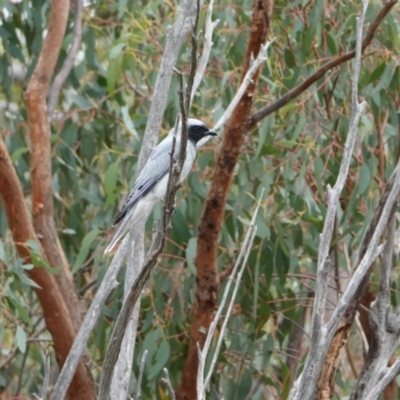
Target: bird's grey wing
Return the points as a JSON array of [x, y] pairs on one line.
[[156, 168]]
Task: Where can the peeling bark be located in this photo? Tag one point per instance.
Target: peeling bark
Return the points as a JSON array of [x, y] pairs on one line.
[[206, 296]]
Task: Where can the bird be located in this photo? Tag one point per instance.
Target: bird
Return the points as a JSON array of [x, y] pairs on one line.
[[151, 184]]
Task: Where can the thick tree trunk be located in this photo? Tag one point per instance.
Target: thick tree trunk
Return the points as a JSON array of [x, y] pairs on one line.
[[206, 297]]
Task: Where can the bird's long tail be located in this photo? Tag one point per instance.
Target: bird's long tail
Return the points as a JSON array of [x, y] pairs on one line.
[[123, 228]]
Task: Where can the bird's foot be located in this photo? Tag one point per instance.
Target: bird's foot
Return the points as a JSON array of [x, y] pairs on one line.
[[155, 226], [173, 206]]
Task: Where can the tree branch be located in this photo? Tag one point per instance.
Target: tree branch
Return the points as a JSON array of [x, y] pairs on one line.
[[319, 331], [209, 29], [140, 377], [107, 285], [382, 340], [390, 374], [292, 94], [123, 368], [202, 384], [167, 382]]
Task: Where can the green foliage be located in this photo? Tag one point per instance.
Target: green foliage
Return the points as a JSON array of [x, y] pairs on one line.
[[293, 154]]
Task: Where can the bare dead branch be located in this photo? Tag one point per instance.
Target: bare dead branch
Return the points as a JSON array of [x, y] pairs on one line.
[[390, 374], [108, 284], [248, 79], [139, 381], [123, 368], [383, 338], [319, 345], [202, 384], [194, 43], [167, 382], [209, 29], [69, 61], [45, 386]]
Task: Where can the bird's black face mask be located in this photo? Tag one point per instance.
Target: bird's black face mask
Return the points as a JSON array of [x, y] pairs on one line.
[[197, 132]]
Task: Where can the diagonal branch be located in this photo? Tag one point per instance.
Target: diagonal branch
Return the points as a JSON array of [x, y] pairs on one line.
[[55, 310], [92, 315], [292, 94]]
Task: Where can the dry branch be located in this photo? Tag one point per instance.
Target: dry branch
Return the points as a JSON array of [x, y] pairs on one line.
[[123, 368], [382, 340], [54, 307], [328, 339], [209, 29], [319, 363], [207, 287], [203, 383], [108, 284]]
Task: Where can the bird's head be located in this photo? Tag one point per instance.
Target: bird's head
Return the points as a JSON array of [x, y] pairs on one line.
[[197, 130]]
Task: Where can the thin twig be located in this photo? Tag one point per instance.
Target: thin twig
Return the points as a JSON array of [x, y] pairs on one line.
[[246, 246], [190, 80], [248, 79], [45, 386], [167, 382], [140, 377], [202, 64]]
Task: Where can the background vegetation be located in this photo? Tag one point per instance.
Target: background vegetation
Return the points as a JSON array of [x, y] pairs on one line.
[[293, 153]]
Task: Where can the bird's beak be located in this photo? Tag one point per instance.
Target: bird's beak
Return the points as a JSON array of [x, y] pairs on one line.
[[211, 133]]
